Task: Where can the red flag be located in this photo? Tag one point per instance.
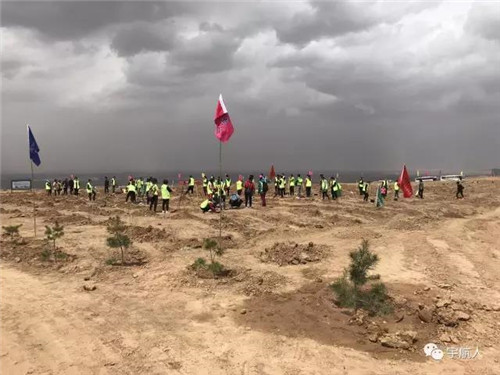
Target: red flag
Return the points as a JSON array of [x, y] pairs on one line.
[[272, 173], [223, 125], [404, 183]]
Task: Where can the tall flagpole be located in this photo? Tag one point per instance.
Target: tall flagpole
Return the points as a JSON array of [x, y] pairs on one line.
[[220, 195], [34, 197]]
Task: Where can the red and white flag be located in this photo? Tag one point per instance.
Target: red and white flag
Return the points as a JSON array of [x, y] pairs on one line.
[[223, 125], [404, 183]]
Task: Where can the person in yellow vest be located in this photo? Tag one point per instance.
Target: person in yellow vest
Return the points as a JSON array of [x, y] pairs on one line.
[[334, 185], [208, 205], [365, 190], [308, 186], [282, 186], [324, 187], [204, 180], [131, 191], [291, 183], [139, 183], [113, 184], [361, 183], [76, 185], [299, 183], [210, 188], [90, 190], [48, 187], [396, 190], [165, 196], [154, 190], [191, 184], [227, 185], [149, 183], [239, 186]]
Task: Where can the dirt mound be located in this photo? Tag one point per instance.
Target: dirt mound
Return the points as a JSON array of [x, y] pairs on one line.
[[148, 234], [35, 252], [258, 284], [283, 253]]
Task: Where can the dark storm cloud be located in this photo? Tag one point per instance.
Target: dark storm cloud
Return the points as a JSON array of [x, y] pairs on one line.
[[139, 38], [322, 85], [67, 20]]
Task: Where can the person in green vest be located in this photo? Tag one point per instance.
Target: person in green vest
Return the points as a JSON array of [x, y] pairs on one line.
[[165, 196], [396, 190], [365, 189], [48, 187], [299, 183], [228, 183], [204, 180], [76, 183], [308, 186], [138, 185], [190, 188], [333, 187], [282, 186], [90, 190], [208, 205], [113, 184], [154, 191], [291, 183], [149, 183], [239, 186], [361, 183], [131, 191], [324, 187]]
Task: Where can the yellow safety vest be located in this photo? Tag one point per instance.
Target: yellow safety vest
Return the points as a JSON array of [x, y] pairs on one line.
[[89, 187], [154, 188], [113, 182], [300, 180], [47, 186], [76, 184], [292, 181], [282, 183], [228, 182], [396, 186], [209, 188], [308, 182], [131, 187], [324, 184], [191, 181], [204, 204], [165, 194], [239, 185], [205, 182]]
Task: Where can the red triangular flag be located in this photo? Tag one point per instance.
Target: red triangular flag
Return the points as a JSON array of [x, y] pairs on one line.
[[223, 125], [272, 173], [404, 183]]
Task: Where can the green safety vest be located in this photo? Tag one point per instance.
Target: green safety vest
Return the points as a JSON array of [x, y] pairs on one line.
[[209, 188], [130, 187], [205, 182], [360, 183], [365, 187], [154, 188], [228, 182], [113, 182], [89, 187], [396, 186], [282, 183], [204, 204], [165, 194], [324, 184], [48, 186], [308, 182], [149, 184], [239, 185], [292, 181], [300, 180], [76, 183], [191, 181]]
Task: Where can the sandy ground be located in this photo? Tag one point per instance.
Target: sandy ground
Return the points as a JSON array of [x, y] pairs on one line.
[[159, 317]]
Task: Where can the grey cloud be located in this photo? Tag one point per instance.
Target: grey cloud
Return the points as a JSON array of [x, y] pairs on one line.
[[68, 20], [484, 20], [132, 40]]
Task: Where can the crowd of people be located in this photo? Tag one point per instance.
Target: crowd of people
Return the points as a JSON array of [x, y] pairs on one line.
[[216, 190]]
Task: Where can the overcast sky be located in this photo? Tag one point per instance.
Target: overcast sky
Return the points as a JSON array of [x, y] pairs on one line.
[[119, 86]]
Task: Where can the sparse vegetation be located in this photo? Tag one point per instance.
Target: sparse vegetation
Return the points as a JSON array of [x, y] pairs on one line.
[[216, 268], [116, 227], [352, 290], [12, 232], [52, 234]]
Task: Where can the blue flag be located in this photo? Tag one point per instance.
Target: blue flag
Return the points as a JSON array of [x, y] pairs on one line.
[[34, 150]]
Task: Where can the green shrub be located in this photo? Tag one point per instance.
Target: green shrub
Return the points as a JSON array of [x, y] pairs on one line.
[[52, 234], [351, 290], [119, 239]]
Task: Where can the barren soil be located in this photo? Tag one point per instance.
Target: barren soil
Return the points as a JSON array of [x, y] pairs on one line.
[[274, 312]]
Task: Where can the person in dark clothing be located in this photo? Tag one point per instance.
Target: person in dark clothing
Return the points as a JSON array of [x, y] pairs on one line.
[[460, 190], [65, 186], [263, 187], [361, 183], [153, 203], [106, 185], [421, 189], [71, 185], [249, 191], [235, 201], [365, 191]]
